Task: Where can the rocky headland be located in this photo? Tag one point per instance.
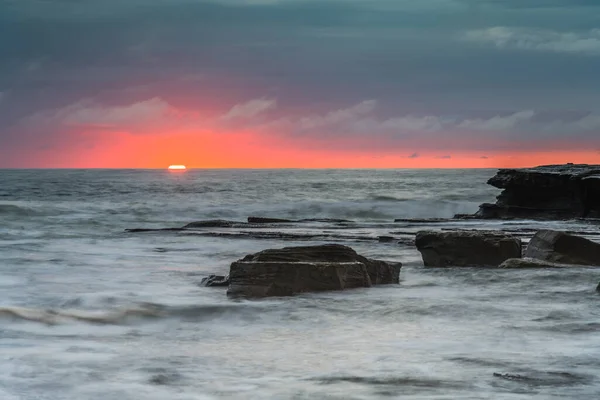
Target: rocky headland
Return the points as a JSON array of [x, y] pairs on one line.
[[548, 192]]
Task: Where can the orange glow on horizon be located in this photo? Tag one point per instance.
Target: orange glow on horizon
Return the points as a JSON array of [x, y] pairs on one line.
[[177, 167], [251, 150]]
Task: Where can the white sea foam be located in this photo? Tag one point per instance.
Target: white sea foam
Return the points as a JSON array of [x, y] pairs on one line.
[[89, 311]]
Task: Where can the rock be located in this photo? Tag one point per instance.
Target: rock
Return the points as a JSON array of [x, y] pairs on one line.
[[327, 220], [383, 272], [266, 220], [283, 272], [141, 230], [386, 239], [466, 248], [253, 222], [525, 263], [215, 281], [380, 272], [422, 220], [263, 220], [284, 278], [560, 247], [545, 378], [465, 216], [510, 377], [213, 223], [598, 288], [546, 192]]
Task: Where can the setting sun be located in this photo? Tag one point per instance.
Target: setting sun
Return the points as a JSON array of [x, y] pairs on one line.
[[177, 167]]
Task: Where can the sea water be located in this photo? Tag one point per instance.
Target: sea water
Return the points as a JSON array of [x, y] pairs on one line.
[[90, 311]]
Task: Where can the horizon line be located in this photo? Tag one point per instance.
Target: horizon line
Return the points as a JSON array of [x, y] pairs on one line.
[[251, 168]]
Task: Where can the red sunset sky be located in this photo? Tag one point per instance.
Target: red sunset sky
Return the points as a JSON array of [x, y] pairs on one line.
[[122, 150], [296, 84]]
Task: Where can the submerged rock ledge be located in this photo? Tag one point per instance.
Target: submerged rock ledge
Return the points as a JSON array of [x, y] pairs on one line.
[[253, 222]]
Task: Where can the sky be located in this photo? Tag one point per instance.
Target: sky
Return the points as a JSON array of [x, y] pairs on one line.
[[299, 83]]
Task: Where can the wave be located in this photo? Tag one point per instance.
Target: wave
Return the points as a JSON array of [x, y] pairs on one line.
[[386, 198], [126, 315], [545, 378], [56, 317], [400, 381], [16, 211], [380, 208]]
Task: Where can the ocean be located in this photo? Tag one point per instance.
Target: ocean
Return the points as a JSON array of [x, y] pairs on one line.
[[90, 311]]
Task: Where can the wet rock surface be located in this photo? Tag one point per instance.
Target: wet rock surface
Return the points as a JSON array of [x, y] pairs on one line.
[[544, 378], [527, 262], [282, 278], [466, 248], [214, 223], [291, 270], [545, 192], [255, 223], [215, 281], [265, 220], [380, 272], [387, 239], [142, 230], [269, 220], [561, 247]]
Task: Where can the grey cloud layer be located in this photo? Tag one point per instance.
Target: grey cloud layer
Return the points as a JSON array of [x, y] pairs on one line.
[[587, 43], [443, 67], [360, 123]]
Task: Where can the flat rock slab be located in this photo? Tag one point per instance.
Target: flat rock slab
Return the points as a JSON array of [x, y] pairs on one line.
[[380, 272], [214, 223], [290, 270], [265, 220], [282, 278], [561, 247], [466, 248], [269, 220]]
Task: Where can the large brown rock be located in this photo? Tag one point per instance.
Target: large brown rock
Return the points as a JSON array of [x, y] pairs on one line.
[[283, 272], [285, 278], [380, 272], [466, 248], [560, 247], [546, 192]]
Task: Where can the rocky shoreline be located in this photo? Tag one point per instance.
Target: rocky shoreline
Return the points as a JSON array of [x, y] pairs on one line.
[[293, 270], [546, 193]]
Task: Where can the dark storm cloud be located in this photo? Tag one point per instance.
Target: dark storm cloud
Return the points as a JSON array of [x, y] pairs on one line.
[[448, 64]]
